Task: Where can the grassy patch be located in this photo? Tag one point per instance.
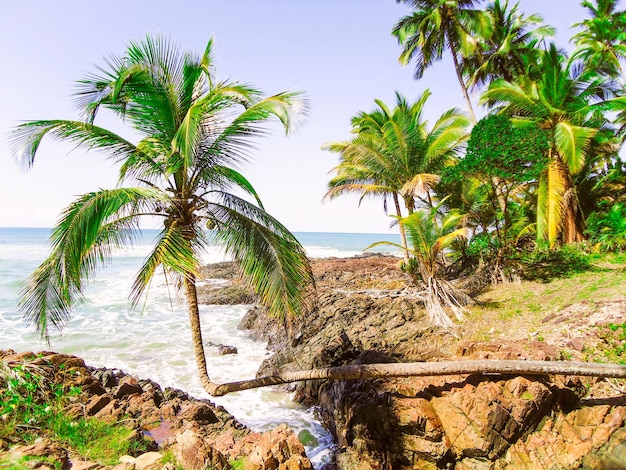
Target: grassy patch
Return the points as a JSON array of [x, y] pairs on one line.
[[514, 310], [32, 405], [612, 347]]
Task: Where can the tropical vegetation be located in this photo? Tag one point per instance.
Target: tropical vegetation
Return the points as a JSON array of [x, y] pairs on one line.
[[541, 170]]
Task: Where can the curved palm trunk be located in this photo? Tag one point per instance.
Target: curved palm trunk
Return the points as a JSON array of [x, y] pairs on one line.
[[196, 335], [421, 369], [459, 76], [402, 231]]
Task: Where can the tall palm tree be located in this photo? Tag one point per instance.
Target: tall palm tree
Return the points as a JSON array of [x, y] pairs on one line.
[[194, 132], [394, 154], [437, 25], [564, 101], [511, 46], [602, 41]]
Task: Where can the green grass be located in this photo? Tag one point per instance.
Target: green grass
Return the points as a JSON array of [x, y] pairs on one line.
[[32, 406], [512, 311]]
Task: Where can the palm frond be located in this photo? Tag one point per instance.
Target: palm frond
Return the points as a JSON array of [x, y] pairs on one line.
[[26, 138], [270, 257]]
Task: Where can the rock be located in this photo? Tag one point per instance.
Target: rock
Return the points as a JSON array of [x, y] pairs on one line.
[[197, 411], [224, 350], [276, 449], [149, 461], [84, 465], [192, 452], [127, 386], [96, 403], [52, 452]]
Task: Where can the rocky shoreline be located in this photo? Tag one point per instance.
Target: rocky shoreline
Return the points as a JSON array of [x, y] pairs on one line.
[[199, 434], [367, 313]]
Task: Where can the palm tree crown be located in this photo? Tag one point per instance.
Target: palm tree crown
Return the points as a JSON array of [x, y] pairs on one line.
[[194, 132], [395, 155], [437, 25]]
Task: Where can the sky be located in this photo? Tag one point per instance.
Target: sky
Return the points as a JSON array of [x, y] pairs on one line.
[[339, 53]]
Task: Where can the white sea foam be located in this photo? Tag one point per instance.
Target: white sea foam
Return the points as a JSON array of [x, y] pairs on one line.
[[154, 340]]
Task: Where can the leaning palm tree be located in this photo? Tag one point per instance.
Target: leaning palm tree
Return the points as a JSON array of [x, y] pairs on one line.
[[565, 100], [395, 155], [194, 131], [430, 235], [436, 25]]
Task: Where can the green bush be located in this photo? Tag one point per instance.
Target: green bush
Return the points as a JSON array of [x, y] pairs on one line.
[[544, 264]]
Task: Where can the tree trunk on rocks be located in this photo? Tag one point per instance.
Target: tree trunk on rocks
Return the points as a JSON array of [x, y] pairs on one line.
[[420, 369]]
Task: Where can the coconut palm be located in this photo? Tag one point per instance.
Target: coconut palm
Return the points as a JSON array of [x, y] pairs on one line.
[[564, 100], [430, 235], [436, 25], [510, 47], [394, 154], [194, 131], [602, 40]]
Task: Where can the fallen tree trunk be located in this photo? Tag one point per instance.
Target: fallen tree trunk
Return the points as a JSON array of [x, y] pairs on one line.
[[420, 369]]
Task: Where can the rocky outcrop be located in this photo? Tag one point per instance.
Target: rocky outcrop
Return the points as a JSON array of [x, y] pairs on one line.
[[462, 422], [199, 434]]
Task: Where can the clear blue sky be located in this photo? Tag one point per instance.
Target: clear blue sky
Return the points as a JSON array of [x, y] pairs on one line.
[[341, 53]]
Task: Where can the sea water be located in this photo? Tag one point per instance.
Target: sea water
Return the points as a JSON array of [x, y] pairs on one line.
[[154, 341]]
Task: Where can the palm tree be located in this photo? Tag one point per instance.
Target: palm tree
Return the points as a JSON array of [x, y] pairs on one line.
[[394, 154], [564, 100], [437, 25], [194, 131], [511, 46], [431, 234], [602, 41]]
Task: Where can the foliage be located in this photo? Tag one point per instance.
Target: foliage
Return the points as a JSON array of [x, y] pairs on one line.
[[437, 25], [602, 40], [431, 236], [544, 264], [512, 152], [32, 405], [394, 155], [608, 230], [612, 345], [510, 48], [566, 100]]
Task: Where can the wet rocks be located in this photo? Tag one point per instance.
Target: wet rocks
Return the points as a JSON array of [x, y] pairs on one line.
[[198, 433]]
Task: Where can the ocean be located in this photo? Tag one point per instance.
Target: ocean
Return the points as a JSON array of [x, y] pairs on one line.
[[154, 342]]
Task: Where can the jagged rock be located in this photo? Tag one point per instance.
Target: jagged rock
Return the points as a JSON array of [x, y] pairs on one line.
[[127, 386], [197, 411], [84, 465], [192, 452], [53, 453], [276, 449], [149, 461], [224, 350], [96, 403]]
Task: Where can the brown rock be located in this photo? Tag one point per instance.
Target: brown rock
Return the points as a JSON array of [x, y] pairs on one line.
[[197, 411], [149, 461], [44, 448], [192, 452], [84, 465], [126, 388], [96, 403]]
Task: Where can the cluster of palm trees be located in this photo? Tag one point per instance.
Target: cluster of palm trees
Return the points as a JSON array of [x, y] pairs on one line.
[[575, 103]]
